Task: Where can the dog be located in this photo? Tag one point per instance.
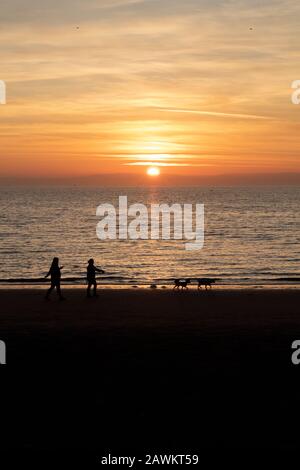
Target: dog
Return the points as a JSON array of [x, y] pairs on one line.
[[181, 283], [205, 282]]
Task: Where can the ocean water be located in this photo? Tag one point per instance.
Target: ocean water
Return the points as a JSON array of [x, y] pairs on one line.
[[251, 235]]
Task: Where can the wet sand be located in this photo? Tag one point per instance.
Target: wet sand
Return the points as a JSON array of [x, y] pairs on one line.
[[151, 369]]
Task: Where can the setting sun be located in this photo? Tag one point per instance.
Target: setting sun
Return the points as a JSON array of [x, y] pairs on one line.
[[153, 171]]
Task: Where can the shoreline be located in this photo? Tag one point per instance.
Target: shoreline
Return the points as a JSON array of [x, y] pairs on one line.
[[159, 287]]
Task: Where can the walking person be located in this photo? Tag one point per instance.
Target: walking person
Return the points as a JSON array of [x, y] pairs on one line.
[[91, 277], [55, 273]]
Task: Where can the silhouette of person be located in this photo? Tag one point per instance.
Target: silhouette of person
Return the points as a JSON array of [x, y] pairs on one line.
[[55, 274], [91, 277]]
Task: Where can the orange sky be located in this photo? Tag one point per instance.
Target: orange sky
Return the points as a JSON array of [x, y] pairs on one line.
[[197, 87]]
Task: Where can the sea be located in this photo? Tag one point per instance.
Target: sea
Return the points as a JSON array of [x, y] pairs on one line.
[[251, 236]]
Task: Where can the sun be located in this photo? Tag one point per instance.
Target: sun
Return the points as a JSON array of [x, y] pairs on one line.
[[153, 171]]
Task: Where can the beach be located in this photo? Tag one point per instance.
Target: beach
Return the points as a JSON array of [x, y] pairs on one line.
[[151, 368]]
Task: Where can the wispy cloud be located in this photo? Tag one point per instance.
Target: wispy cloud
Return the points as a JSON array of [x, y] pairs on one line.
[[163, 164], [117, 3], [154, 164], [214, 113]]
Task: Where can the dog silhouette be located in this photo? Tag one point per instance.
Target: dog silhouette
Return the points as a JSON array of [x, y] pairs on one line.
[[205, 282], [181, 283]]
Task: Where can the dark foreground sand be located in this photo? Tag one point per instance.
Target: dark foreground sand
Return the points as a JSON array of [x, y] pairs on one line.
[[151, 370]]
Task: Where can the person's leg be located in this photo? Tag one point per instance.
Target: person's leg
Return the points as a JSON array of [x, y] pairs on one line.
[[59, 291], [88, 291], [95, 289], [49, 291]]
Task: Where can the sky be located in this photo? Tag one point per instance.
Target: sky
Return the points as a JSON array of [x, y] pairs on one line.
[[195, 87]]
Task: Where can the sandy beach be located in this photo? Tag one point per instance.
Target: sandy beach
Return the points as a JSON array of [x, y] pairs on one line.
[[151, 369]]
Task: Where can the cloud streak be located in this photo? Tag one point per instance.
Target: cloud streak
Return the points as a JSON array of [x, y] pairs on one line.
[[214, 113]]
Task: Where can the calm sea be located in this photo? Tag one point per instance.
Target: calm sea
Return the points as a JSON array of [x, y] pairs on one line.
[[251, 235]]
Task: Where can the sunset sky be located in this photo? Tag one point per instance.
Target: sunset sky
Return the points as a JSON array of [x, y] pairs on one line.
[[115, 86]]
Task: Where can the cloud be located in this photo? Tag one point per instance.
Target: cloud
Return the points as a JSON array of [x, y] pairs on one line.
[[58, 11], [214, 113], [163, 164]]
